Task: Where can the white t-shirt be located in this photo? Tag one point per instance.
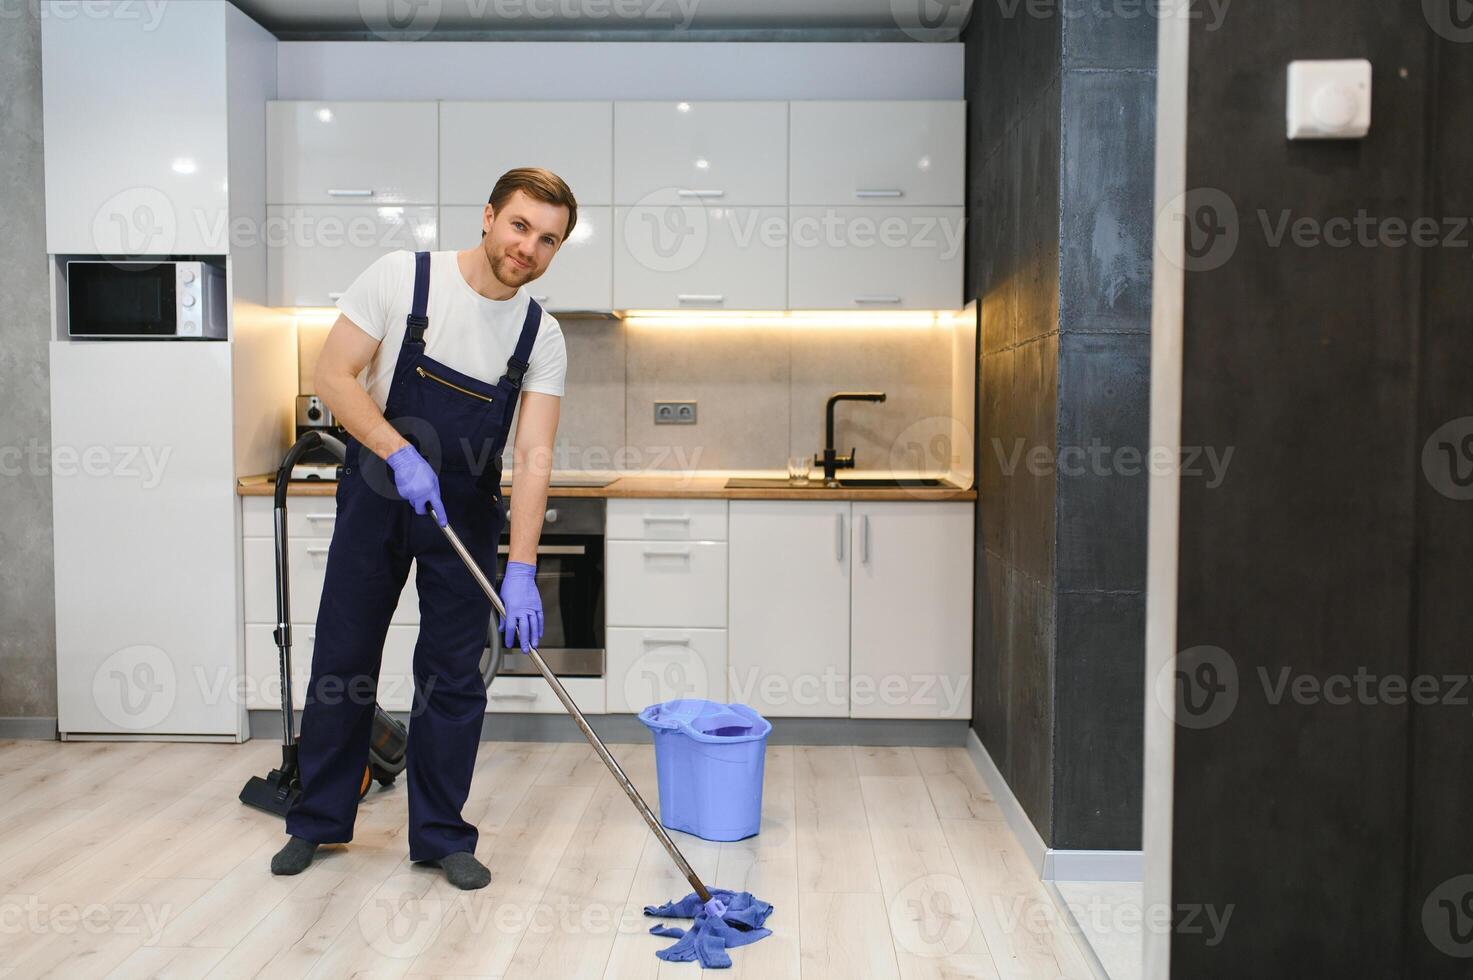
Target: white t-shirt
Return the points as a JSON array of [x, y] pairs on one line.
[[467, 331]]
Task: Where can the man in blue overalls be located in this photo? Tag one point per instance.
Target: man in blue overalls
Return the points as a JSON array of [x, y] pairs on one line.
[[429, 432]]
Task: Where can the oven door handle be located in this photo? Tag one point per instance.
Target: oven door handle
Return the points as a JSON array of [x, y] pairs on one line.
[[549, 549]]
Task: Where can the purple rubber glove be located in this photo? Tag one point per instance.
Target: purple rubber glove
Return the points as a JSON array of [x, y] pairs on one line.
[[416, 481], [523, 605]]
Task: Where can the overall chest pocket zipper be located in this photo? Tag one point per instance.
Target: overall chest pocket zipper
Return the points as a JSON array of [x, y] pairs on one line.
[[451, 384]]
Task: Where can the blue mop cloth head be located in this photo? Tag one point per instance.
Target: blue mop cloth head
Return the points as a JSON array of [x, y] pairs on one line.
[[737, 921]]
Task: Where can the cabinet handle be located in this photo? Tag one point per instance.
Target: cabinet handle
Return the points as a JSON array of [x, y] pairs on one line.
[[513, 697], [321, 517], [336, 295], [864, 539], [876, 298], [700, 297], [839, 537], [878, 192], [667, 553], [540, 299], [322, 550], [681, 641], [548, 549], [684, 192], [349, 192], [664, 519]]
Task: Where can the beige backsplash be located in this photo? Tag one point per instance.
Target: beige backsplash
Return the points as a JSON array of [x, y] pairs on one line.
[[760, 393]]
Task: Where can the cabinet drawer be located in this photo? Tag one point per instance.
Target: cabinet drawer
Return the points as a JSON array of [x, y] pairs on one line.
[[508, 694], [673, 257], [875, 258], [659, 583], [479, 141], [582, 275], [648, 666], [263, 670], [363, 152], [868, 152], [307, 565], [310, 517], [667, 520], [719, 152], [315, 252]]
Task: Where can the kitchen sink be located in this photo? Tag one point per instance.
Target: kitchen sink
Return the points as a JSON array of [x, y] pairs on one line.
[[891, 481], [845, 483]]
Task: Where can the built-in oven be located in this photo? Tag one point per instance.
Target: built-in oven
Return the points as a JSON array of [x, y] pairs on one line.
[[141, 299], [570, 579]]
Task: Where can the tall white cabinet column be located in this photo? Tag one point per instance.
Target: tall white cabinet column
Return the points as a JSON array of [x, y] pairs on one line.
[[150, 144]]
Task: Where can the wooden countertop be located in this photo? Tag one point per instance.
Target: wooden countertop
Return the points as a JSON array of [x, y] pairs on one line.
[[706, 484]]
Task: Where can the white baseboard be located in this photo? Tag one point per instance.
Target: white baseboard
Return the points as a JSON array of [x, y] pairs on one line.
[[1017, 818], [1092, 866], [1050, 864]]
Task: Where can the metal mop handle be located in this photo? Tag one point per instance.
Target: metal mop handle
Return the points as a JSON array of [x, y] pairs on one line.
[[598, 746]]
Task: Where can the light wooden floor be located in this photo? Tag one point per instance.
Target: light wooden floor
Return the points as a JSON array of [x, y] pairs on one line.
[[137, 859]]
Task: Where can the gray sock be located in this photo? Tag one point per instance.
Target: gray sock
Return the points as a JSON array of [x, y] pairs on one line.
[[463, 870], [293, 858]]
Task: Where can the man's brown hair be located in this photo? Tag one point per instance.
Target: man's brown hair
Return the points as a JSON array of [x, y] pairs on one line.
[[539, 184]]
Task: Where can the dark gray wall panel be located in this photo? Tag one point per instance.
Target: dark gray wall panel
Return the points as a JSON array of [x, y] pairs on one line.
[[1305, 360], [1060, 179], [1098, 665], [1104, 405]]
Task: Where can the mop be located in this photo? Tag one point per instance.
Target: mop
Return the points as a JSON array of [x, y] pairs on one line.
[[721, 919]]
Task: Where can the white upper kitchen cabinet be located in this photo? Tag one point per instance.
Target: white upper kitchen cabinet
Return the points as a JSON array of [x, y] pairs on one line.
[[135, 127], [318, 250], [581, 276], [352, 153], [716, 152], [875, 258], [911, 610], [480, 141], [694, 257], [788, 640], [863, 152]]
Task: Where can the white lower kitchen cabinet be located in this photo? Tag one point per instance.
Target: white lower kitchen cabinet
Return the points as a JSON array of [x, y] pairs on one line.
[[648, 666], [314, 252], [535, 695], [665, 583], [789, 632], [309, 531], [263, 669], [581, 276], [307, 568], [911, 610]]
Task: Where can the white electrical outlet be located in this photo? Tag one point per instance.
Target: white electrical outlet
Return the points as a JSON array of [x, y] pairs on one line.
[[675, 413], [1329, 99]]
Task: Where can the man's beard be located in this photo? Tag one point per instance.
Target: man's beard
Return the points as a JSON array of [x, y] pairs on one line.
[[510, 273]]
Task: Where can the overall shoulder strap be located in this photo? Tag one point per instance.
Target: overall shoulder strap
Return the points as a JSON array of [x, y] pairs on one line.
[[516, 365], [418, 321]]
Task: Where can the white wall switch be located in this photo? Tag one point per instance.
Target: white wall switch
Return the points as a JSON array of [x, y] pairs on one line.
[[1329, 99]]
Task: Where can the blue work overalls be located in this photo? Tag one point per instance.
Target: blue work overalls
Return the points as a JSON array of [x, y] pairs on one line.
[[459, 424]]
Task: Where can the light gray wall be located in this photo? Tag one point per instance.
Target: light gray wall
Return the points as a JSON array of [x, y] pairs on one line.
[[27, 607]]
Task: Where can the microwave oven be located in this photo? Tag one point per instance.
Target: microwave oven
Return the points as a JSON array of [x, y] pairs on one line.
[[128, 299]]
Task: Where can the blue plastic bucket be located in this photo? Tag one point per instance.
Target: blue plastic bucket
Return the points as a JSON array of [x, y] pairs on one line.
[[710, 759]]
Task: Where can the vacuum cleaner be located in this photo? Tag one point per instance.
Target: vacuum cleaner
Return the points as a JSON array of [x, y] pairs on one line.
[[388, 741]]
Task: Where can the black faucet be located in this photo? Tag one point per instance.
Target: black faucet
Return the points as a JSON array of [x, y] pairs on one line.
[[832, 461]]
